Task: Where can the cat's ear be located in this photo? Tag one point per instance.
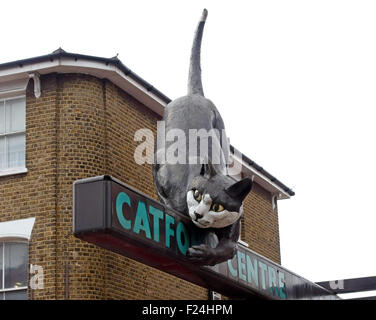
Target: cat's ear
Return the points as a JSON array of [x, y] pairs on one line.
[[207, 170], [240, 189]]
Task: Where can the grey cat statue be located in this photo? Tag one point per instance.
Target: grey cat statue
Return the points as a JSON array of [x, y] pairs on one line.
[[200, 187]]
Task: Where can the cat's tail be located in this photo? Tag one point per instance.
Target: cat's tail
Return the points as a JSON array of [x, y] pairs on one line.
[[194, 79]]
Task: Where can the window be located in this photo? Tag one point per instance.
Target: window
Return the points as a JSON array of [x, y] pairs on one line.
[[13, 270], [12, 134], [245, 244]]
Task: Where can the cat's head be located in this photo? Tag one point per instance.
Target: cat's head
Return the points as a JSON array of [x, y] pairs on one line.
[[215, 200]]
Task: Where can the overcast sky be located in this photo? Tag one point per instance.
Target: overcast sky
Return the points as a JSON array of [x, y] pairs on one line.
[[295, 82]]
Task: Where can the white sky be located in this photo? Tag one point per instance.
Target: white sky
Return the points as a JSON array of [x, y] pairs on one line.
[[295, 82]]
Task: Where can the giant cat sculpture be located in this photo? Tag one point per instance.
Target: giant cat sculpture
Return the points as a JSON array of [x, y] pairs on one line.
[[200, 186]]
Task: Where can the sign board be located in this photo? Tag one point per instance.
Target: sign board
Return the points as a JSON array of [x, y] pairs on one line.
[[117, 217]]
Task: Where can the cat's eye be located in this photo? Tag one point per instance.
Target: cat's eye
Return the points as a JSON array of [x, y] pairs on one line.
[[217, 207], [197, 195]]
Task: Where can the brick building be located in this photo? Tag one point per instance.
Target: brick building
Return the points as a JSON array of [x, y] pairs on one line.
[[68, 116]]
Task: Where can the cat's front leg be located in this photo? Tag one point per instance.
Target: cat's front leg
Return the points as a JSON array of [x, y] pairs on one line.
[[202, 255], [218, 246], [205, 254]]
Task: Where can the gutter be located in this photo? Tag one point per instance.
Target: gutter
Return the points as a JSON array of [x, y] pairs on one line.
[[263, 172]]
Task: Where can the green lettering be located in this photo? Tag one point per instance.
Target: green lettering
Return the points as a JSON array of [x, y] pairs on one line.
[[282, 285], [241, 265], [182, 230], [157, 215], [233, 271], [142, 222], [169, 232], [263, 268], [252, 271], [272, 281], [120, 200]]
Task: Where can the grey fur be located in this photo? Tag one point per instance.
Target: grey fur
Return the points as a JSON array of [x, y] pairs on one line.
[[172, 181], [194, 79]]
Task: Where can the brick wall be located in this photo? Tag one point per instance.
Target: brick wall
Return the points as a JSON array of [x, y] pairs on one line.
[[260, 224], [82, 126], [34, 194]]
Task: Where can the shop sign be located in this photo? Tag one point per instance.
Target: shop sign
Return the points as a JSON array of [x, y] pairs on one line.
[[117, 217]]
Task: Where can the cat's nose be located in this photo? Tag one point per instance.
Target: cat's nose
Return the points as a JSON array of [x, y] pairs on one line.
[[197, 216]]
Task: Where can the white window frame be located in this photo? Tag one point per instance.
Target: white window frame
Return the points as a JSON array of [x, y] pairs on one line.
[[2, 290], [14, 170], [240, 241]]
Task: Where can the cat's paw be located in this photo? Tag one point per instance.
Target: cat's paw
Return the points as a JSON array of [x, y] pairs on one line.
[[202, 255]]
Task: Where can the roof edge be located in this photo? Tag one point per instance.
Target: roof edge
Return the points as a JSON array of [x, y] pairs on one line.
[[57, 54], [263, 171], [60, 53]]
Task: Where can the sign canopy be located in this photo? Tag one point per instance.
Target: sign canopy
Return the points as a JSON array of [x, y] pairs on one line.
[[119, 218]]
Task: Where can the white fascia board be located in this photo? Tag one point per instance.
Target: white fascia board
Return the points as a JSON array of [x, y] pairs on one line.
[[17, 229], [263, 181], [17, 72]]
